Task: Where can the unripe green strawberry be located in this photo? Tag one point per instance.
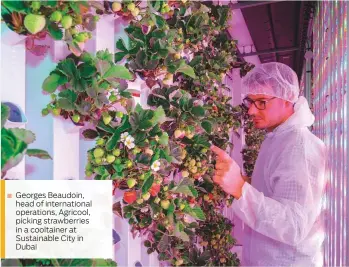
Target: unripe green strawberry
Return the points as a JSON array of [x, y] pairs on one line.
[[100, 142], [36, 5], [76, 118], [119, 114], [88, 166], [107, 119], [45, 112], [116, 152], [146, 196], [80, 37], [98, 152], [116, 6], [56, 16], [182, 206], [129, 164], [98, 161], [73, 31], [135, 12], [56, 111], [131, 6], [165, 204], [67, 21], [34, 23], [49, 107], [131, 182], [139, 201], [157, 200], [110, 159], [118, 161]]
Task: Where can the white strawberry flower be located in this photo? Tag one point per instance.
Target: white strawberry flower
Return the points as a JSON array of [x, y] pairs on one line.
[[156, 165], [123, 136], [129, 142]]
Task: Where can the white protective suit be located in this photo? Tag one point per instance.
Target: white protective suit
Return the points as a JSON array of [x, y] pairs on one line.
[[281, 208]]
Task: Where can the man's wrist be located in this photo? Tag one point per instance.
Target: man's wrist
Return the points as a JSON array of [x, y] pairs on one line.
[[238, 194]]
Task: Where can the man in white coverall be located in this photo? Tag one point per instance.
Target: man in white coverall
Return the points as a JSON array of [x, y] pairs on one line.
[[281, 208]]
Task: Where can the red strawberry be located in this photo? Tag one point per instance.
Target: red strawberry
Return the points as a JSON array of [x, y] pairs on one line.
[[197, 175], [130, 196], [191, 200], [154, 190]]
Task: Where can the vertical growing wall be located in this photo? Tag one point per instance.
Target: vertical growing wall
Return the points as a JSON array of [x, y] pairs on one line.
[[330, 101], [22, 75]]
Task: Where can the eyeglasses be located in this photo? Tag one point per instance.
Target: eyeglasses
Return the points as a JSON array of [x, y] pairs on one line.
[[259, 104]]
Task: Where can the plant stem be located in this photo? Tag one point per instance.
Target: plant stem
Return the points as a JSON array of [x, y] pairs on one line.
[[55, 262]]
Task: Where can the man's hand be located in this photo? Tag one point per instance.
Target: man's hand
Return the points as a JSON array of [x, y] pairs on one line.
[[228, 174]]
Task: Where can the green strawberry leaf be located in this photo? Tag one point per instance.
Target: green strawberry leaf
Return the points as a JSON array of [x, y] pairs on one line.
[[87, 70], [207, 126], [147, 184], [159, 116], [54, 80], [186, 69], [66, 104], [119, 56], [68, 94], [164, 139], [120, 44], [55, 32], [23, 135], [197, 213], [118, 71], [198, 111], [38, 153], [18, 6], [68, 68]]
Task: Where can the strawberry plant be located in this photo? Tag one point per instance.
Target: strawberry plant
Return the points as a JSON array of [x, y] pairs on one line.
[[71, 21], [253, 140], [253, 137], [158, 158], [85, 88], [182, 52]]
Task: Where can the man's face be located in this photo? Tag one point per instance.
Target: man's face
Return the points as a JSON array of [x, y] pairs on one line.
[[276, 111]]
